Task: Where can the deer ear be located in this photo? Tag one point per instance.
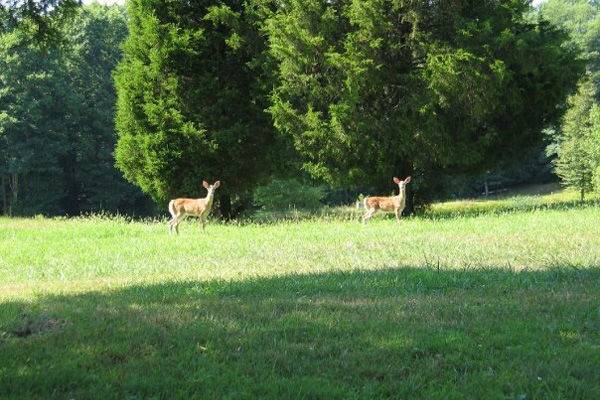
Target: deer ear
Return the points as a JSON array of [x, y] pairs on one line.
[[217, 184], [397, 181], [205, 184], [407, 180]]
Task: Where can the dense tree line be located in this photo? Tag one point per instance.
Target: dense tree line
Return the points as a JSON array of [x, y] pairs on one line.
[[345, 92], [57, 106], [362, 89]]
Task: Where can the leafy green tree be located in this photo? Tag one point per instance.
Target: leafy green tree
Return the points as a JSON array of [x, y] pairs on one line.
[[575, 162], [95, 36], [581, 19], [594, 145], [56, 118], [369, 88], [282, 194], [36, 106], [192, 90], [44, 18]]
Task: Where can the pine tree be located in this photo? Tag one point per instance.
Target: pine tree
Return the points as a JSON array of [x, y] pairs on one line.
[[575, 163]]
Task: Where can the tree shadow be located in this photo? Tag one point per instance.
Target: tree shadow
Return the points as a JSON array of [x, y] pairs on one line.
[[393, 333]]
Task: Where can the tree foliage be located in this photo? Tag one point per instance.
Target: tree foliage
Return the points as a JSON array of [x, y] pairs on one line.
[[44, 18], [372, 88], [354, 91], [578, 143], [581, 19], [96, 36], [56, 118], [282, 194], [192, 91], [34, 104]]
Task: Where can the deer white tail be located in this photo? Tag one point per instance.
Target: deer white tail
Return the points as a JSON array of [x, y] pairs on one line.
[[171, 209]]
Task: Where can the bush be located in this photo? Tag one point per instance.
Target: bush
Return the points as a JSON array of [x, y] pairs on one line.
[[281, 194]]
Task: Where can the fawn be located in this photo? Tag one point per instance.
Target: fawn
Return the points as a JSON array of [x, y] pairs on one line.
[[393, 203], [181, 208]]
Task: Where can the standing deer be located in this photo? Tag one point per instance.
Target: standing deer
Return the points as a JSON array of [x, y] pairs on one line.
[[181, 208], [393, 203]]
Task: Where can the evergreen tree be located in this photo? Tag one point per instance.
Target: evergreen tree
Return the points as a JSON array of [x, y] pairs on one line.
[[369, 89], [192, 90], [576, 143], [43, 18], [594, 145], [575, 162]]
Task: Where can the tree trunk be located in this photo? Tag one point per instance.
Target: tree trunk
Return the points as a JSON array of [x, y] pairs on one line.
[[409, 207], [14, 187], [4, 200], [225, 206], [582, 194], [72, 191]]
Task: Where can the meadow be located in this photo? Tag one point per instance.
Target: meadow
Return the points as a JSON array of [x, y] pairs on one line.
[[494, 299]]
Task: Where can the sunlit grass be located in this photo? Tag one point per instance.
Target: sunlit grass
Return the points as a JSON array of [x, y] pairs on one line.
[[540, 197], [42, 251]]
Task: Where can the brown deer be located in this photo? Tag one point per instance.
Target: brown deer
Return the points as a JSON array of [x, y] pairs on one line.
[[388, 204], [181, 208]]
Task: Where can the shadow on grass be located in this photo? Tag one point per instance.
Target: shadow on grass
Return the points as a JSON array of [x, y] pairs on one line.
[[396, 333]]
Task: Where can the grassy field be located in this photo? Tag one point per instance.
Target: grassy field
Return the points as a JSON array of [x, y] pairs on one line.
[[471, 300]]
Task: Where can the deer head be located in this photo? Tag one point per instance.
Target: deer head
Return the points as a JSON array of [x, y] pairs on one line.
[[211, 188], [402, 183]]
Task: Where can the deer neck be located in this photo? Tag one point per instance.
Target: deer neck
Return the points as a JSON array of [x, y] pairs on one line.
[[401, 194], [208, 200]]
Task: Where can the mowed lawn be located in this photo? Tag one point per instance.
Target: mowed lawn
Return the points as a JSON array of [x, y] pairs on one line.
[[490, 306]]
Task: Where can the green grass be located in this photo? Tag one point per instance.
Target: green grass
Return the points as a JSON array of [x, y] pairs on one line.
[[529, 198], [500, 302]]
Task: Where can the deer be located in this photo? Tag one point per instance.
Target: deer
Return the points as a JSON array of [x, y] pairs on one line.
[[387, 204], [181, 208]]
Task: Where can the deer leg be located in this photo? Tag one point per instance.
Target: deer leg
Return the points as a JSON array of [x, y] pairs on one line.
[[172, 223], [178, 220], [368, 214], [202, 220], [397, 212], [364, 217]]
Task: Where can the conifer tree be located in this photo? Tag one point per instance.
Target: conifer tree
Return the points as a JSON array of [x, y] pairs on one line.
[[369, 89], [576, 161], [192, 90]]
